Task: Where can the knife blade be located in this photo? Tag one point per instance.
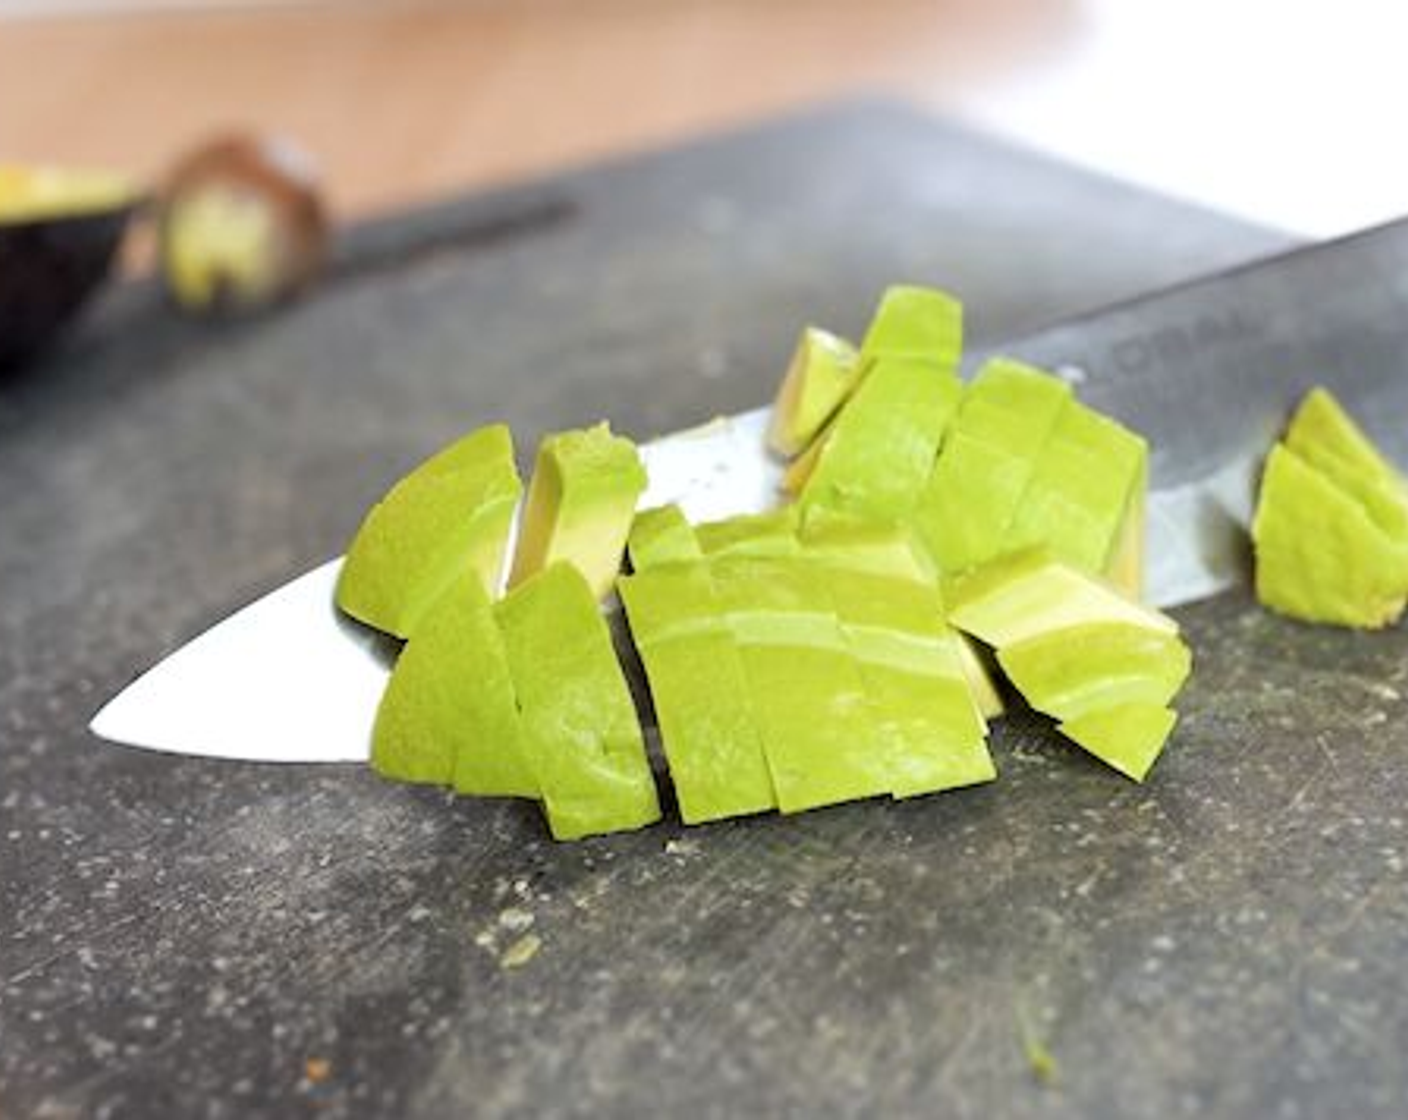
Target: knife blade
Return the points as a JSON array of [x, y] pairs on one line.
[[1207, 370]]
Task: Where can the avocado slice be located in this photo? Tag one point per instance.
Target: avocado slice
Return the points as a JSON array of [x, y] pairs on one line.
[[448, 715], [1007, 416], [1129, 737], [881, 450], [661, 536], [804, 686], [864, 545], [1080, 490], [913, 322], [819, 378], [933, 734], [773, 533], [1030, 593], [452, 513], [1079, 651], [696, 678], [1320, 555], [1070, 672], [1328, 439], [580, 731], [580, 506]]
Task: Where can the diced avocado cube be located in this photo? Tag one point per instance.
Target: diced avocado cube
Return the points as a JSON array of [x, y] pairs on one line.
[[987, 463], [1013, 405], [1320, 556], [1030, 593], [821, 375], [1071, 672], [448, 714], [696, 679], [881, 450], [757, 534], [580, 731], [451, 514], [805, 687], [924, 712], [1130, 738], [668, 601], [1329, 440], [915, 322], [1080, 490], [1076, 649], [864, 545], [969, 501], [580, 506], [661, 536]]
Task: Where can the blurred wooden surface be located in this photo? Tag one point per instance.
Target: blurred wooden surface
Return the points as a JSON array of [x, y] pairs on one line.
[[401, 102]]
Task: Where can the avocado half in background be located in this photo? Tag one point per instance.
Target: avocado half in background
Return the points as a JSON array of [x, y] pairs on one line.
[[59, 231]]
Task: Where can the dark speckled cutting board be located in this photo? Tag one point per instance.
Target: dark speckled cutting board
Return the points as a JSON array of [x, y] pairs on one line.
[[190, 938]]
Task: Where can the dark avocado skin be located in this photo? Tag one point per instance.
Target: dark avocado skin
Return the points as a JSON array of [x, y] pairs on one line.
[[48, 269]]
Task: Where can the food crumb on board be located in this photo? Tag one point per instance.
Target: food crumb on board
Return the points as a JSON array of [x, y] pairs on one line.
[[1040, 1061], [521, 951], [516, 920]]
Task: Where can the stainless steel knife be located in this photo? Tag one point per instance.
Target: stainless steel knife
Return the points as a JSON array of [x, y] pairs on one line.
[[1206, 370]]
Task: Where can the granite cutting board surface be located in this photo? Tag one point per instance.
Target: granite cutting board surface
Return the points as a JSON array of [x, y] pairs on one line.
[[196, 938]]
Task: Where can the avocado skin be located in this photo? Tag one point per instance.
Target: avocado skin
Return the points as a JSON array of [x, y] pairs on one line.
[[49, 268]]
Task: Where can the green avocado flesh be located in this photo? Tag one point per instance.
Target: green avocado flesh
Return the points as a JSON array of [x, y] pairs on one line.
[[449, 515], [1079, 651], [821, 375], [579, 727], [448, 715], [660, 536], [822, 672], [1030, 593], [1130, 738], [881, 449], [581, 504], [1331, 526], [915, 322]]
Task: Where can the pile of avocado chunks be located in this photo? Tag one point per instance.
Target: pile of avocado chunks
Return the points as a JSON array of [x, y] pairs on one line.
[[840, 646]]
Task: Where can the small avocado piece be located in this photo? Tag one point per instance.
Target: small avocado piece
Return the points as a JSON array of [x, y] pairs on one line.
[[580, 731], [804, 686], [448, 715], [925, 716], [1130, 737], [864, 545], [773, 533], [581, 504], [819, 378], [1030, 593], [661, 535], [697, 684], [1320, 556], [912, 322], [1076, 649], [979, 678], [1328, 439], [452, 513], [1126, 567], [1071, 672], [879, 455], [988, 460], [1080, 490], [800, 469]]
